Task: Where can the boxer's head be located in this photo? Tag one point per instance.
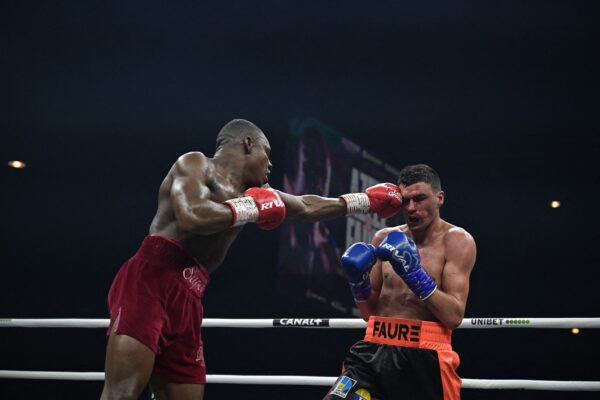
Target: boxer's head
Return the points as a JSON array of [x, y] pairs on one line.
[[422, 195], [245, 140]]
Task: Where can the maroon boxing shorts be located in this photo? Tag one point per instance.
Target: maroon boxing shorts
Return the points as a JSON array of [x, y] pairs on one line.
[[155, 299]]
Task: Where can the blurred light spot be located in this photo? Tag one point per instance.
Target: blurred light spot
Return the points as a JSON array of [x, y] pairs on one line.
[[555, 204], [17, 164], [575, 331]]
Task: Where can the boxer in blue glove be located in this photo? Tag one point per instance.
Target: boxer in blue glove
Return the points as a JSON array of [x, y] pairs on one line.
[[357, 262], [411, 284], [402, 254]]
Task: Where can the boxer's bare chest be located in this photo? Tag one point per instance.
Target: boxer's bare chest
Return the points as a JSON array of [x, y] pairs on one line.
[[211, 250], [396, 298]]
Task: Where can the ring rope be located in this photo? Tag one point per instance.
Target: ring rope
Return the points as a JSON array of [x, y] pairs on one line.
[[334, 323], [318, 380]]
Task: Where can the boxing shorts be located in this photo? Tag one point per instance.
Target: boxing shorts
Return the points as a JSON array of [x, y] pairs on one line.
[[156, 299], [400, 359]]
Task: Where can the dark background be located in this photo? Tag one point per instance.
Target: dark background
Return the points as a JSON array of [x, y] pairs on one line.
[[99, 98]]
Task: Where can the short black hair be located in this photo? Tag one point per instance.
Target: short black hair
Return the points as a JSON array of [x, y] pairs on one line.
[[412, 174], [236, 130]]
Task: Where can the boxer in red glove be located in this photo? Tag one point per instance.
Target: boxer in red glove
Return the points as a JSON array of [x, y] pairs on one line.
[[203, 204]]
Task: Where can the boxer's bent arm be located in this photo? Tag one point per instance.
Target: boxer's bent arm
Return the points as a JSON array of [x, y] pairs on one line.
[[449, 301], [369, 307], [194, 211], [312, 208]]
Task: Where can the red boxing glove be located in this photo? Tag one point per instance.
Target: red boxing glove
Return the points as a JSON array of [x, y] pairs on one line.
[[383, 199], [261, 205]]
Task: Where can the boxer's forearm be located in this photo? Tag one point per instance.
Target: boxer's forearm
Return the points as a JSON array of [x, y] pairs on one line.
[[383, 199], [368, 307], [312, 207], [446, 308], [206, 218]]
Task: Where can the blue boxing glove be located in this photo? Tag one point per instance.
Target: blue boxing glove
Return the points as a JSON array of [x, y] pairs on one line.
[[401, 252], [357, 262]]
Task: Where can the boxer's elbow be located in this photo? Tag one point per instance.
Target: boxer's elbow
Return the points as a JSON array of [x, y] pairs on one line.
[[453, 323], [189, 223], [453, 320]]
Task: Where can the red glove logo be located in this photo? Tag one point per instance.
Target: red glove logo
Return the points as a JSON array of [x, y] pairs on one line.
[[385, 199], [271, 204], [271, 209]]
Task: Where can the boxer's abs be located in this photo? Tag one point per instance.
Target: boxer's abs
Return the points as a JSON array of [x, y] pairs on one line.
[[397, 300], [209, 250]]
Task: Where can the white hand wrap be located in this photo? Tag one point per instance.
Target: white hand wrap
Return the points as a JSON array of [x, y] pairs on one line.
[[244, 210], [356, 203]]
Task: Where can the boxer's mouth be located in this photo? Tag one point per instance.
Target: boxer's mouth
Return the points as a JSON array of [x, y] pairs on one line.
[[413, 220]]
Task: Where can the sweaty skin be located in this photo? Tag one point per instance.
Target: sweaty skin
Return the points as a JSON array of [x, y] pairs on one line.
[[447, 254], [191, 209], [194, 188]]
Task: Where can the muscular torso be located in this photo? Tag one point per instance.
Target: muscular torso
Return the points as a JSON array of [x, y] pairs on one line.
[[210, 250], [396, 299]]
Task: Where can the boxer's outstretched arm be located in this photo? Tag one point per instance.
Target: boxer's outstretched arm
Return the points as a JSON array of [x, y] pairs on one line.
[[448, 303], [197, 213], [312, 207], [383, 199]]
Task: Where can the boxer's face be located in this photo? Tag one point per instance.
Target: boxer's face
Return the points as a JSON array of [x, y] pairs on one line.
[[259, 166], [420, 205]]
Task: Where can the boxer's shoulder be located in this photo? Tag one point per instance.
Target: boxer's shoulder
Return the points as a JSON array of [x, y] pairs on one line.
[[193, 158], [193, 164], [457, 237], [382, 233]]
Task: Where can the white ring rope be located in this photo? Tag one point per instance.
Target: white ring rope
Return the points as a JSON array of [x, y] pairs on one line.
[[334, 323], [319, 380], [343, 323]]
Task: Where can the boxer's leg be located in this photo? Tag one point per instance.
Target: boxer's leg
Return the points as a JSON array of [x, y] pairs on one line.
[[128, 367]]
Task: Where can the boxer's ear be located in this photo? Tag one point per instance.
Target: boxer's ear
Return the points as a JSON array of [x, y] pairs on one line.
[[249, 143], [441, 197]]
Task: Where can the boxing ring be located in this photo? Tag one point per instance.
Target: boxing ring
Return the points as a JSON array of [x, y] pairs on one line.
[[318, 323]]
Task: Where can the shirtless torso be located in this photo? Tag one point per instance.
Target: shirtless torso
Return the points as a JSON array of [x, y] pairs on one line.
[[196, 172], [447, 254], [395, 298]]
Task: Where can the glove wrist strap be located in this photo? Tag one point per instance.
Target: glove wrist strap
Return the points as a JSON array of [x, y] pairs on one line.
[[244, 210], [356, 203], [420, 282], [361, 290]]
